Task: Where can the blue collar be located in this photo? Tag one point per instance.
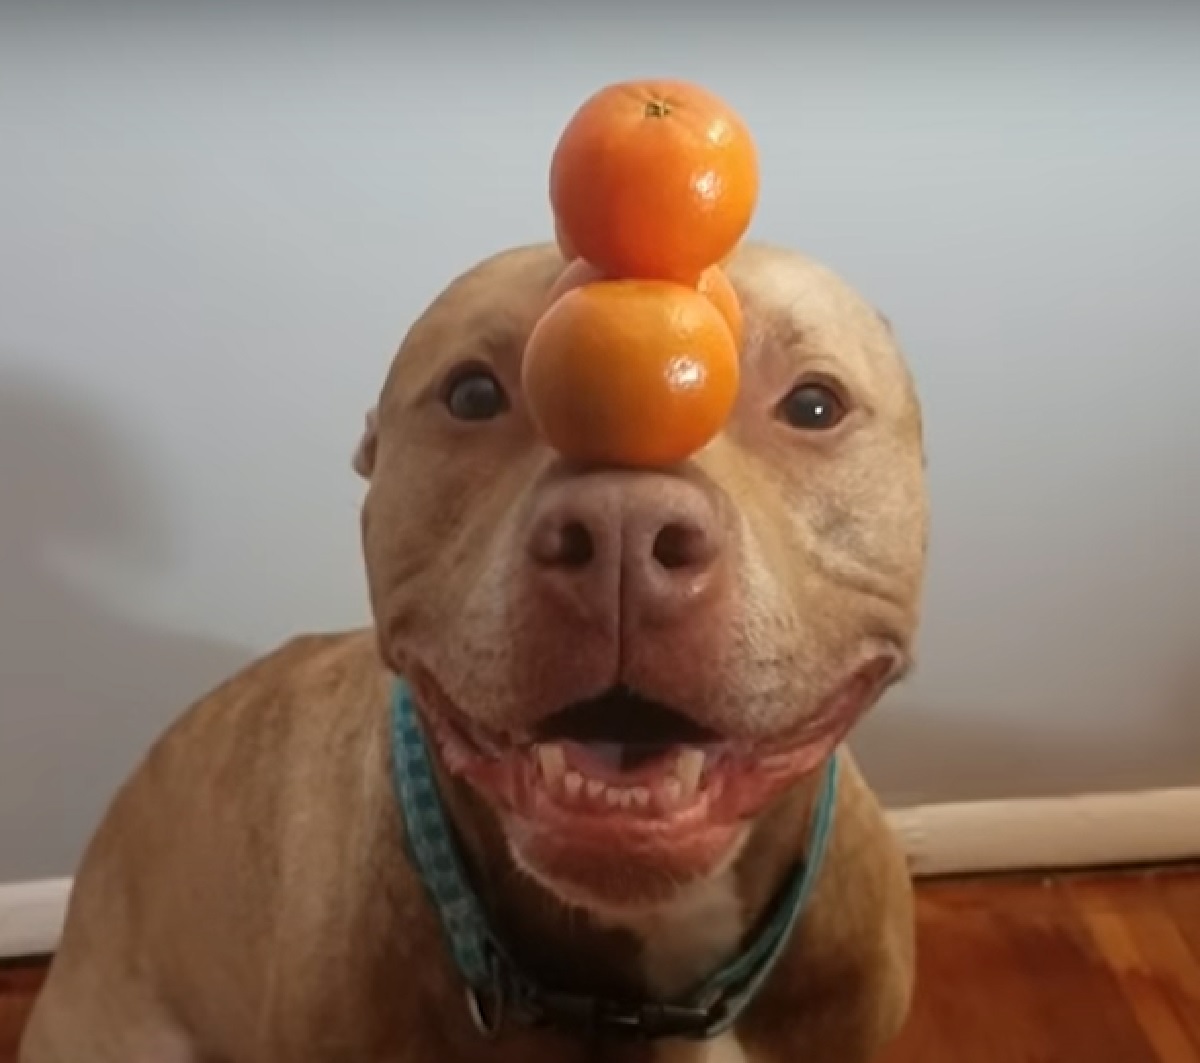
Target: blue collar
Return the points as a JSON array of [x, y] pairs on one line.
[[496, 987]]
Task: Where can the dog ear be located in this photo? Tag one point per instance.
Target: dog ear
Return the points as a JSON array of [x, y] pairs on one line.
[[364, 455]]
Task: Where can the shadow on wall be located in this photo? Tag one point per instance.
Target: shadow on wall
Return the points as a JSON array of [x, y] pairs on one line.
[[914, 755], [83, 689]]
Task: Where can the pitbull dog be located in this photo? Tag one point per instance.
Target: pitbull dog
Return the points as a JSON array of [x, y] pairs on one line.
[[631, 687]]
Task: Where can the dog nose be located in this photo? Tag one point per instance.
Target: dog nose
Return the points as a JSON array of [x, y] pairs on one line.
[[642, 546]]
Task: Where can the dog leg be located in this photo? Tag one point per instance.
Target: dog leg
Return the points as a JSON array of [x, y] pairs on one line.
[[78, 1018]]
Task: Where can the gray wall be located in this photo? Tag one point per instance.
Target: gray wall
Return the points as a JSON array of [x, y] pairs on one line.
[[213, 233]]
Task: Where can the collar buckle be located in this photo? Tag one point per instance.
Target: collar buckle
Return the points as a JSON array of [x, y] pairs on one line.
[[647, 1021]]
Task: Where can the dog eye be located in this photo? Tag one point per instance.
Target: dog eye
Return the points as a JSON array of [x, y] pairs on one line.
[[475, 395], [812, 407]]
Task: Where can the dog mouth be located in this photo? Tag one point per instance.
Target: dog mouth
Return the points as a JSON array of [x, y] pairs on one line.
[[622, 755], [625, 771]]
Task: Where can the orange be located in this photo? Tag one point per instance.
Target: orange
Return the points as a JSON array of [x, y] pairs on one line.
[[630, 373], [565, 248], [654, 179], [713, 284], [576, 275]]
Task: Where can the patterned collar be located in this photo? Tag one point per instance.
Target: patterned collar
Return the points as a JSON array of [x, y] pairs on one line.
[[497, 989]]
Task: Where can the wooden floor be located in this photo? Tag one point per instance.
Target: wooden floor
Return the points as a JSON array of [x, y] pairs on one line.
[[1093, 969]]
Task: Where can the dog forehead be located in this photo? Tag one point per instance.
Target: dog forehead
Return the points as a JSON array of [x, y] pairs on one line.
[[800, 314], [792, 302], [486, 313], [794, 308]]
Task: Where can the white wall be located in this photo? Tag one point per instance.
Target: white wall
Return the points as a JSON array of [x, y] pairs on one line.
[[214, 232]]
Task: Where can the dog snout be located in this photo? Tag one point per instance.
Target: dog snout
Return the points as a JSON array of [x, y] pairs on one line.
[[639, 548]]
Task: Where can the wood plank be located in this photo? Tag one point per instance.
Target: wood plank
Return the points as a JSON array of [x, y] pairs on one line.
[[19, 984], [1007, 974], [1179, 892], [1158, 972]]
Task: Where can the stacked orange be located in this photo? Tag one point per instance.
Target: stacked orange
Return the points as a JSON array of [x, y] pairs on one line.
[[635, 362]]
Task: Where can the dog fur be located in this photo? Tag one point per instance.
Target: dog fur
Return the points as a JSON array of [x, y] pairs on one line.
[[247, 898]]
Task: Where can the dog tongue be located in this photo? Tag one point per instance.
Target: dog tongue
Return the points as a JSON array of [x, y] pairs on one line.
[[616, 759], [623, 756]]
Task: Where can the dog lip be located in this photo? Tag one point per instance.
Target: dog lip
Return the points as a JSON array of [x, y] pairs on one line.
[[440, 713], [841, 708], [617, 717], [645, 730], [567, 804]]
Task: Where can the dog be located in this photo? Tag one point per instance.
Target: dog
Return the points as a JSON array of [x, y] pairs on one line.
[[626, 694]]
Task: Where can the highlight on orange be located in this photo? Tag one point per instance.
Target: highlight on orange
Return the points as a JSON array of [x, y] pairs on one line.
[[655, 179], [630, 372]]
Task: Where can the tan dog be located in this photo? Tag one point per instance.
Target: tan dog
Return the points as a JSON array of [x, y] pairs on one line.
[[248, 898]]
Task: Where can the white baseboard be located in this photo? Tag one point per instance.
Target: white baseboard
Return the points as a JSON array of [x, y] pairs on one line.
[[31, 916], [1036, 834], [1051, 833]]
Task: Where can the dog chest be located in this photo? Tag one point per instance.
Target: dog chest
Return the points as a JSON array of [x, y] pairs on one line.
[[723, 1049]]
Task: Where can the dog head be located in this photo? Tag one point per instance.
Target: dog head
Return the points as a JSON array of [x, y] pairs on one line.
[[629, 668]]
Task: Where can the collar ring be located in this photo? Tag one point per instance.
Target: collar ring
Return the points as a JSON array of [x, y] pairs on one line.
[[486, 1008]]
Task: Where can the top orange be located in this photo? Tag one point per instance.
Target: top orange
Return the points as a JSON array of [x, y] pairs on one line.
[[654, 180]]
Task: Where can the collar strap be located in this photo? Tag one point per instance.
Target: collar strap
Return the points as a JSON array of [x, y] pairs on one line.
[[498, 990]]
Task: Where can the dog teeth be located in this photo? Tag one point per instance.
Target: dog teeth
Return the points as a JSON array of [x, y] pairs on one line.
[[553, 762], [670, 792], [634, 797], [689, 768], [673, 790]]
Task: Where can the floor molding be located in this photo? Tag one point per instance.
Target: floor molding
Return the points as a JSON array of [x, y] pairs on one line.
[[31, 916], [1051, 833], [1035, 834]]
